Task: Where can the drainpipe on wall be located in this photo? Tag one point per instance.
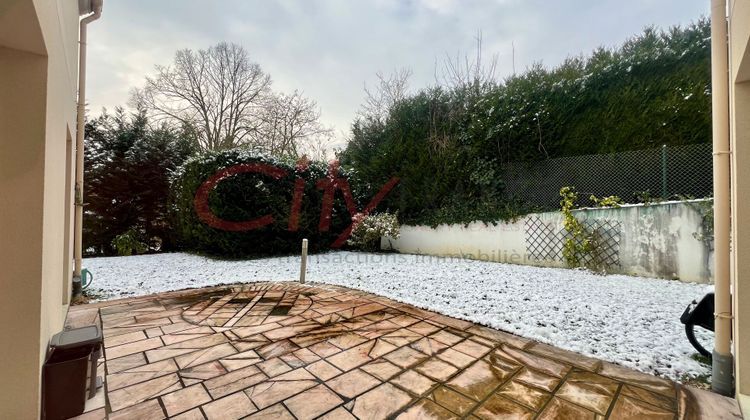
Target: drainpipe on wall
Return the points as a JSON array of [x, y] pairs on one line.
[[94, 7], [722, 364]]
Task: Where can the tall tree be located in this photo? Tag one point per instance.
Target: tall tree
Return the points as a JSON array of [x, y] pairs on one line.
[[215, 94], [387, 92], [128, 164], [289, 125]]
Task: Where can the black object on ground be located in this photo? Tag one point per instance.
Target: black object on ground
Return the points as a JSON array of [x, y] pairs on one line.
[[699, 314]]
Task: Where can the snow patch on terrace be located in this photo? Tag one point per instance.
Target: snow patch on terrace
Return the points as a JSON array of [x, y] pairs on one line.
[[632, 321]]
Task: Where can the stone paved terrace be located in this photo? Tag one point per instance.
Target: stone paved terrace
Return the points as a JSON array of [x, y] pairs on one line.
[[285, 351]]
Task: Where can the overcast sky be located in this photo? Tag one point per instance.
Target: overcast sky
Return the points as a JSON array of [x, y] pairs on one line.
[[329, 48]]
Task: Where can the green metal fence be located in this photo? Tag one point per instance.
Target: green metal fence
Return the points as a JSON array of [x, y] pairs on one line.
[[663, 173]]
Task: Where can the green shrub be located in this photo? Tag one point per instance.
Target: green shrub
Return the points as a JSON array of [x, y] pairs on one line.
[[248, 196], [369, 229], [128, 243], [611, 201]]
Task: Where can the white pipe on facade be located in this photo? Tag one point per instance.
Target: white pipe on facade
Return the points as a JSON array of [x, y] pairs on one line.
[[722, 377], [80, 129]]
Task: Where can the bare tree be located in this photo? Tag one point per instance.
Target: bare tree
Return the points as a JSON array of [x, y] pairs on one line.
[[213, 94], [288, 125], [472, 75], [387, 92]]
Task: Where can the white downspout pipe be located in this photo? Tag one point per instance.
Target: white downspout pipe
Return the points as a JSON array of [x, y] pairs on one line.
[[722, 364], [80, 129]]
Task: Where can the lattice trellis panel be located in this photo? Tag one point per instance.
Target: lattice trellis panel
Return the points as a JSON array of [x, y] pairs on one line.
[[606, 248], [545, 243], [542, 240]]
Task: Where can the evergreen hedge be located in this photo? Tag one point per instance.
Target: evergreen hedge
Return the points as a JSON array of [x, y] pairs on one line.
[[248, 196], [450, 145]]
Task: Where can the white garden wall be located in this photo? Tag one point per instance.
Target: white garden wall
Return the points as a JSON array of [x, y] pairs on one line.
[[657, 240]]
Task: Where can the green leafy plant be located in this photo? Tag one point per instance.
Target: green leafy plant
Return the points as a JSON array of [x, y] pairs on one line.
[[579, 242], [128, 243], [646, 197], [369, 229], [612, 201], [706, 209]]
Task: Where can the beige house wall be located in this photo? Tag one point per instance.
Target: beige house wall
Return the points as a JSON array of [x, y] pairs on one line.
[[38, 74], [739, 85]]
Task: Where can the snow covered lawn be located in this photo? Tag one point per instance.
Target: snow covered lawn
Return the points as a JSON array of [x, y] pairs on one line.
[[632, 321]]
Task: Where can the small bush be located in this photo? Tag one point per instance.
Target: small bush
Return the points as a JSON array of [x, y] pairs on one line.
[[247, 196], [128, 243], [369, 229], [611, 201]]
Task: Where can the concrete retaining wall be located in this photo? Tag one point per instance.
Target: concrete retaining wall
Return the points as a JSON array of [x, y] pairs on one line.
[[657, 240]]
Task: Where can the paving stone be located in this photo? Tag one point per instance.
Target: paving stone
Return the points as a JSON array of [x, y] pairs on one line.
[[353, 383], [140, 374], [478, 380], [456, 358], [324, 349], [134, 347], [536, 362], [559, 409], [313, 402], [426, 409], [353, 357], [524, 395], [471, 348], [338, 414], [143, 391], [452, 400], [234, 381], [498, 407], [413, 382], [274, 367], [428, 346], [194, 414], [380, 402], [649, 382], [437, 369], [270, 392], [124, 339], [199, 357], [405, 357], [423, 328], [185, 399], [446, 337], [202, 372], [589, 390], [234, 406], [276, 412], [537, 379], [381, 369], [323, 370], [569, 357], [650, 397], [627, 408], [124, 363], [150, 409]]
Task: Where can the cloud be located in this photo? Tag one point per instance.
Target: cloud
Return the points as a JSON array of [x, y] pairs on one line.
[[330, 48]]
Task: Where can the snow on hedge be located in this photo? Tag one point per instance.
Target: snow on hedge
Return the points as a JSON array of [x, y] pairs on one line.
[[632, 321]]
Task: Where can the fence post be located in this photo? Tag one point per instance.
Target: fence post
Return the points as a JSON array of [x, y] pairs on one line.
[[303, 263], [664, 171]]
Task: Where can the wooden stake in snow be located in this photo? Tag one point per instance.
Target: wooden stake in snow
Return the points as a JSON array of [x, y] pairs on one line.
[[303, 264]]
